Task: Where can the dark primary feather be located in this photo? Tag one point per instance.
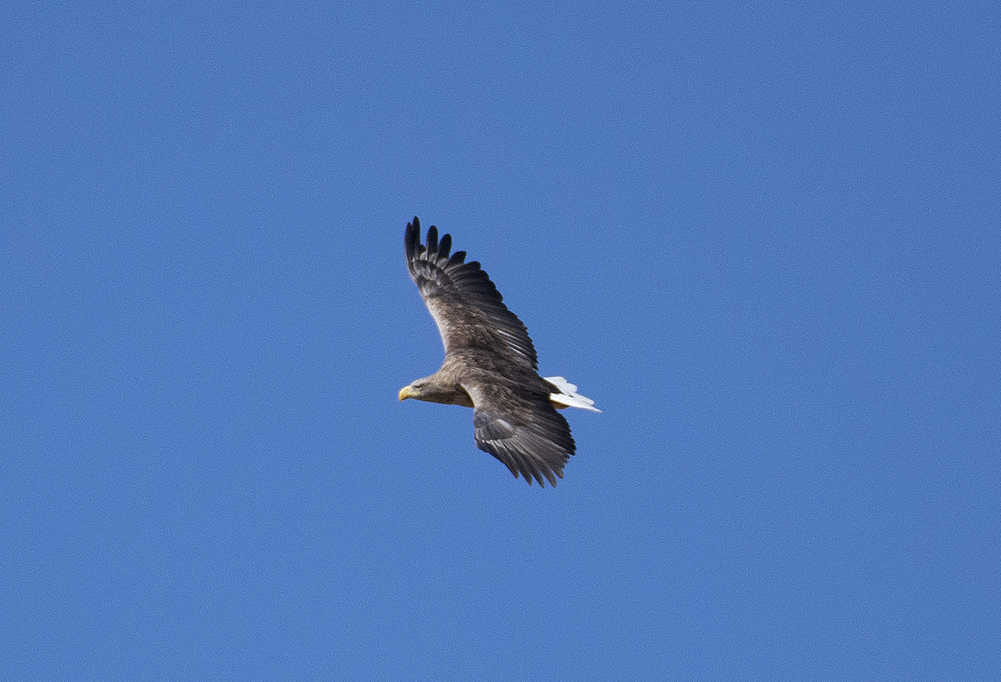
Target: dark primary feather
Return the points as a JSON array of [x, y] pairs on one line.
[[465, 304], [537, 449]]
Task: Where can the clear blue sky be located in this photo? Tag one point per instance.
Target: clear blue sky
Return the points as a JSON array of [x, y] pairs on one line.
[[764, 238]]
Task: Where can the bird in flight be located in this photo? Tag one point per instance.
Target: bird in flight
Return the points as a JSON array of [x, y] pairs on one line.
[[490, 364]]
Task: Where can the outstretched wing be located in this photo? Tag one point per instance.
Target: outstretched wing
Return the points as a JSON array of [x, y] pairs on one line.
[[465, 304], [521, 429]]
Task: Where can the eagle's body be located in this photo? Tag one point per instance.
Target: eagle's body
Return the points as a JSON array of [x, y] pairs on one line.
[[490, 364]]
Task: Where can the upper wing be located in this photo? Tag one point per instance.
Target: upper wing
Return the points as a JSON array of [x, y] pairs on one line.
[[522, 429], [464, 303]]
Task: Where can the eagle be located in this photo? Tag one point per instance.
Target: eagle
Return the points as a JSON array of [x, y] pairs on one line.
[[490, 364]]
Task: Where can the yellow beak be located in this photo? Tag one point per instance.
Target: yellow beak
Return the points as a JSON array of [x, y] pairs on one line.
[[407, 392]]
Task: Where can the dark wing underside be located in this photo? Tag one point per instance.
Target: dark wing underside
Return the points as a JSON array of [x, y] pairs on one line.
[[521, 429], [465, 304]]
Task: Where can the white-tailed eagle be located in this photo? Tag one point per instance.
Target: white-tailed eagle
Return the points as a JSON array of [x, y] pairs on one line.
[[490, 364]]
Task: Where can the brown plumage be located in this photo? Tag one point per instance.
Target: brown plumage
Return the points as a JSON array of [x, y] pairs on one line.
[[490, 364]]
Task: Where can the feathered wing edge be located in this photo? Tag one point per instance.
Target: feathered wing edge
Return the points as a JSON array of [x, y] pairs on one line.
[[529, 436], [447, 284]]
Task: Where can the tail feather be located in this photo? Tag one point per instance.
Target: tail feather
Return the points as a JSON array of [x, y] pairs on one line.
[[568, 396]]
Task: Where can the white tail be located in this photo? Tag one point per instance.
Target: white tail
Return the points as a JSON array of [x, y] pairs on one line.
[[568, 395]]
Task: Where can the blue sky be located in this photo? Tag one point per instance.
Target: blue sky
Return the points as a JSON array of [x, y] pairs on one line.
[[764, 238]]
